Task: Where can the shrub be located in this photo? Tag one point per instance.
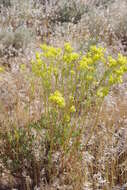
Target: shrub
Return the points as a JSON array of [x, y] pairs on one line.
[[68, 12], [5, 3], [73, 87], [103, 3], [13, 43]]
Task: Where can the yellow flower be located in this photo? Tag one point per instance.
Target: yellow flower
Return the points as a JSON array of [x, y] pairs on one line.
[[69, 57], [119, 79], [68, 48], [57, 99], [122, 60], [37, 54], [111, 80], [124, 68], [74, 56], [83, 65], [86, 63], [50, 51], [72, 109], [66, 58], [112, 62], [97, 53], [44, 47], [120, 71], [97, 50]]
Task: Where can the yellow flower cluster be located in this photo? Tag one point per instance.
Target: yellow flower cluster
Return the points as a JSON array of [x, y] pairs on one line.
[[85, 63], [112, 62], [71, 57], [57, 99], [68, 48], [96, 53], [71, 84], [72, 109], [122, 60], [119, 67], [65, 69], [50, 51]]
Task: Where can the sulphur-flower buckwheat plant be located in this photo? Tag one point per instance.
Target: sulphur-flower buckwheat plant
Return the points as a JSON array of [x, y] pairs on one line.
[[72, 87], [72, 83]]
